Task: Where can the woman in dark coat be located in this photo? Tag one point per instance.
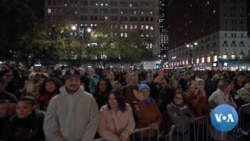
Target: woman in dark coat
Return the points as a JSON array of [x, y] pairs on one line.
[[102, 91]]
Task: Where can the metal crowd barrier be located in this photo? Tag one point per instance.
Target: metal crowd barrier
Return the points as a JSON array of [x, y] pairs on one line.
[[243, 126], [201, 129], [134, 136], [194, 130]]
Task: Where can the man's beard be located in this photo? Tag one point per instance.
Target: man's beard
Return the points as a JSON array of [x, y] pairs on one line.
[[71, 91]]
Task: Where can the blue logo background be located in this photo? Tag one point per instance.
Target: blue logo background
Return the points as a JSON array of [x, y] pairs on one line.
[[224, 117]]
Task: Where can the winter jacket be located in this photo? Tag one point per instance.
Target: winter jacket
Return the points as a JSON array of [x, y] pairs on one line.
[[112, 125], [28, 129]]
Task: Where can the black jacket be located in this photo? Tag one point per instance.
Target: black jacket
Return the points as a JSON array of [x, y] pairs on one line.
[[29, 129], [4, 127]]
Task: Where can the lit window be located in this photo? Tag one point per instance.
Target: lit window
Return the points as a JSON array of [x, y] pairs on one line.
[[142, 27], [224, 56], [197, 60], [208, 59], [131, 27], [150, 45], [215, 58], [49, 11], [202, 60]]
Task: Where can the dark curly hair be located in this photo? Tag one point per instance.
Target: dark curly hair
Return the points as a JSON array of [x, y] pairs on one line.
[[57, 82]]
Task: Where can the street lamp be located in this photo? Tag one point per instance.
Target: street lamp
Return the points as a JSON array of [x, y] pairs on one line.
[[191, 46], [224, 61], [103, 58], [81, 32], [174, 61], [162, 59]]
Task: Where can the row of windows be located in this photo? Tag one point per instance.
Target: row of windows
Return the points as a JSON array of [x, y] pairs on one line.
[[233, 9], [234, 35], [234, 21], [234, 28], [117, 18], [233, 15], [233, 44], [75, 3], [232, 1], [207, 39], [225, 44], [101, 11]]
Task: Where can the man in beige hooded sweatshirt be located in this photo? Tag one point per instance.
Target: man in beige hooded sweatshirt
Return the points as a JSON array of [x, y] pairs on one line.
[[73, 114]]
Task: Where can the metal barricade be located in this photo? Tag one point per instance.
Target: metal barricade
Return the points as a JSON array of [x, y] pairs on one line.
[[243, 126], [201, 129], [141, 135], [195, 130]]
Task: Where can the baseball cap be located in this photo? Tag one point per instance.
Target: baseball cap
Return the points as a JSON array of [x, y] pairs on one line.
[[71, 73]]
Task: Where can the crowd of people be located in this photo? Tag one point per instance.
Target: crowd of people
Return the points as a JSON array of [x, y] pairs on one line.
[[80, 104]]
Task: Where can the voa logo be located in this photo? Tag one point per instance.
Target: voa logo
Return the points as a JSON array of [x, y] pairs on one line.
[[224, 117]]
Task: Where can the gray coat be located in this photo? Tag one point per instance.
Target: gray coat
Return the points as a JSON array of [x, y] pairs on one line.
[[181, 117]]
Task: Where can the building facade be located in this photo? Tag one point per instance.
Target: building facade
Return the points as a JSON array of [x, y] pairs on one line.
[[128, 15], [208, 34], [163, 25]]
